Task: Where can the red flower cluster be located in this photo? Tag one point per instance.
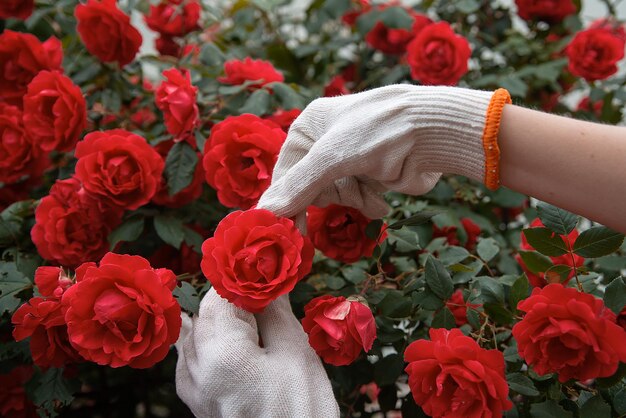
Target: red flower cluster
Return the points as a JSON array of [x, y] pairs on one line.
[[42, 319], [254, 257], [569, 333], [259, 72], [538, 280], [188, 194], [339, 328], [393, 41], [339, 232], [239, 158], [284, 118], [176, 98], [452, 376], [19, 9], [13, 400], [458, 306], [593, 53], [107, 32], [122, 312], [548, 10], [450, 232], [172, 19]]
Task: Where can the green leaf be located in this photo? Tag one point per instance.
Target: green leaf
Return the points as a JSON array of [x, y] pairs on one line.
[[535, 262], [519, 291], [187, 297], [597, 241], [180, 166], [128, 231], [391, 17], [561, 270], [444, 319], [419, 218], [211, 55], [388, 369], [558, 220], [595, 407], [354, 274], [334, 282], [258, 103], [52, 387], [515, 85], [452, 255], [12, 282], [170, 229], [487, 248], [498, 313], [619, 402], [491, 290], [467, 6], [521, 384], [404, 240], [395, 305], [426, 299], [545, 241], [438, 279], [615, 295], [288, 97], [549, 409], [372, 230]]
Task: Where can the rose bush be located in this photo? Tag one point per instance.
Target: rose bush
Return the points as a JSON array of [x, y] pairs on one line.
[[460, 302]]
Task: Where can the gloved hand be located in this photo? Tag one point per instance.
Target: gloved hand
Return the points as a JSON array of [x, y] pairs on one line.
[[348, 149], [222, 371]]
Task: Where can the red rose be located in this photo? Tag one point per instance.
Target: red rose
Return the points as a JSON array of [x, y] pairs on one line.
[[19, 156], [437, 55], [51, 281], [12, 193], [452, 376], [189, 193], [166, 45], [176, 98], [42, 320], [458, 306], [173, 19], [339, 232], [594, 53], [388, 40], [621, 318], [585, 105], [336, 87], [616, 28], [240, 71], [254, 257], [569, 333], [119, 167], [71, 226], [22, 56], [549, 10], [239, 158], [538, 280], [13, 400], [122, 313], [55, 112], [338, 328], [106, 31], [284, 118], [350, 17], [19, 9], [472, 231]]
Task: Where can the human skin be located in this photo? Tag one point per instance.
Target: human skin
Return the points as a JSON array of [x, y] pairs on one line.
[[576, 165]]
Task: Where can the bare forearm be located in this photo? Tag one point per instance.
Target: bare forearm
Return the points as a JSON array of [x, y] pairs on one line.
[[576, 165]]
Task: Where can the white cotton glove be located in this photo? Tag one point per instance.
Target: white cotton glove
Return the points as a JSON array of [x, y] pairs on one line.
[[349, 149], [222, 371]]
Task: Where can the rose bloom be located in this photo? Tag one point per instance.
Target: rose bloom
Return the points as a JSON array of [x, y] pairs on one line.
[[621, 318], [19, 156], [167, 45], [458, 306], [119, 167], [284, 118], [361, 7], [450, 232], [239, 158], [552, 11], [394, 40], [248, 69], [72, 226], [106, 31], [122, 312], [585, 105], [437, 55], [593, 53], [176, 98], [339, 232], [19, 9], [42, 319], [339, 329], [452, 376], [55, 112], [570, 333], [539, 280], [170, 18], [254, 257], [189, 193], [13, 400], [22, 56]]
